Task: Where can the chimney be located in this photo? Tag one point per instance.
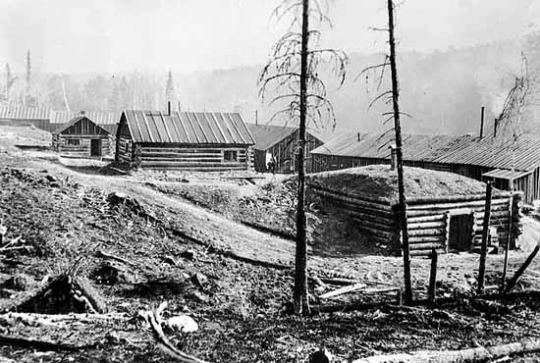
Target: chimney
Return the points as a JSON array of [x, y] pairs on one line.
[[358, 135], [83, 112], [495, 124], [256, 117], [482, 122], [392, 157], [169, 107]]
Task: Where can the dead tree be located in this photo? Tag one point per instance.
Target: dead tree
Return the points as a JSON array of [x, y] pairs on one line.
[[293, 74], [392, 97]]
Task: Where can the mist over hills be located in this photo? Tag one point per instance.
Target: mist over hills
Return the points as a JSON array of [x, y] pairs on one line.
[[442, 91]]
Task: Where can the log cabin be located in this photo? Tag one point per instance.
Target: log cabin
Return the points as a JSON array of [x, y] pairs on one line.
[[279, 142], [445, 211], [198, 141], [511, 165], [81, 137]]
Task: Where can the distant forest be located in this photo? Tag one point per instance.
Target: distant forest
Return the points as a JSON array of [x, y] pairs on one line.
[[441, 91]]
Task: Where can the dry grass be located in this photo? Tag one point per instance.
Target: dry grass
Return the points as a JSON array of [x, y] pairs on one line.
[[379, 181]]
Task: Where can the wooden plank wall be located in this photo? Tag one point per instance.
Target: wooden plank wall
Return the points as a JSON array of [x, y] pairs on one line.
[[183, 158], [125, 150]]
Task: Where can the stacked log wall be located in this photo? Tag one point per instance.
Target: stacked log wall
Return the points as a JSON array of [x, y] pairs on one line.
[[375, 217], [428, 220], [61, 145], [196, 158]]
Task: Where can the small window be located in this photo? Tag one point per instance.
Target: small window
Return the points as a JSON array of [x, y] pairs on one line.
[[229, 155], [74, 142]]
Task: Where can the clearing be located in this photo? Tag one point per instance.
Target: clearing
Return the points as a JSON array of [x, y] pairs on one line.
[[217, 249]]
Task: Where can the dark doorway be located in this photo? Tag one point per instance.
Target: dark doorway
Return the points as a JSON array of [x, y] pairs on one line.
[[461, 232], [95, 147]]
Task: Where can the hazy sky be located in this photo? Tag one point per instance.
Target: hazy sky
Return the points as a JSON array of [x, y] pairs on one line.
[[190, 35]]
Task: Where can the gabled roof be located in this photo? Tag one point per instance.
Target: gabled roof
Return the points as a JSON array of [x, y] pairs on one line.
[[267, 136], [498, 153], [74, 121], [24, 113], [98, 117], [188, 128]]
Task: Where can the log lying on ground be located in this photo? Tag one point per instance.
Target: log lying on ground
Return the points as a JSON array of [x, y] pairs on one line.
[[457, 356], [59, 319], [42, 344], [154, 319]]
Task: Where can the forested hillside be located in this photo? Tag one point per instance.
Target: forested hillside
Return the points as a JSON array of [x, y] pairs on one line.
[[442, 91]]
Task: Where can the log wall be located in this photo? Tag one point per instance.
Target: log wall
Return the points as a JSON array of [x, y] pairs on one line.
[[60, 144], [428, 220], [172, 157]]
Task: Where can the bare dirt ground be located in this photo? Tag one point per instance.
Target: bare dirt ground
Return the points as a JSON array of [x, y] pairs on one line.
[[187, 243]]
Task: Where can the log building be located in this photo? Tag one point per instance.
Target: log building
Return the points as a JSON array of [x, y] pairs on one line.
[[444, 211], [505, 162], [201, 141], [279, 142], [81, 137]]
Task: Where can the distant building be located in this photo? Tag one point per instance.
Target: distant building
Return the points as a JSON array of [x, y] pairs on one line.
[[82, 137], [105, 119], [26, 116], [279, 143], [205, 141], [500, 160]]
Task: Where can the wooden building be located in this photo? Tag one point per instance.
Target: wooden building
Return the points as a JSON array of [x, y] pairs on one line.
[[445, 211], [105, 119], [26, 116], [279, 142], [503, 161], [81, 137], [205, 141]]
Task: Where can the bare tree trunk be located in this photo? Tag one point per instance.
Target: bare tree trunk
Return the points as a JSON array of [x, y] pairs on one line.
[[399, 157], [300, 301]]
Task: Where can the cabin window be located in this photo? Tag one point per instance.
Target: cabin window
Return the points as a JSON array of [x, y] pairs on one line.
[[73, 142], [230, 155]]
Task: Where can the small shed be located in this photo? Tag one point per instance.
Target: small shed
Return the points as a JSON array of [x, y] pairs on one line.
[[445, 211], [81, 137], [203, 141], [279, 142]]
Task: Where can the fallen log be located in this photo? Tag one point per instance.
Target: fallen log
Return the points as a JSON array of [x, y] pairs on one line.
[[116, 258], [342, 290], [154, 319], [457, 356], [43, 344]]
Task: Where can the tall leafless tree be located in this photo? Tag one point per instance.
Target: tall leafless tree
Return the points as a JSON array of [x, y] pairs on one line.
[[392, 97], [293, 73]]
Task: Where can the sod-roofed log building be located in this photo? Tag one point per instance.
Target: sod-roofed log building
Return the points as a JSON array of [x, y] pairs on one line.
[[445, 210], [81, 137], [279, 143], [203, 141]]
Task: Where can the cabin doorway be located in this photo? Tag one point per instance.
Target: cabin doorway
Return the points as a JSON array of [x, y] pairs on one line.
[[95, 147], [461, 232]]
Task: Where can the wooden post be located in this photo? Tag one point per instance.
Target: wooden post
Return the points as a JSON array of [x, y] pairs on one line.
[[508, 239], [485, 232], [522, 269], [433, 276]]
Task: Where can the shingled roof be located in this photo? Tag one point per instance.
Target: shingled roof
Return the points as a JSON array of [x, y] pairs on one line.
[[188, 128], [98, 117], [499, 153]]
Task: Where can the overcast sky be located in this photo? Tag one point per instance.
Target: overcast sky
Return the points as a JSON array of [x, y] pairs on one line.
[[190, 35]]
